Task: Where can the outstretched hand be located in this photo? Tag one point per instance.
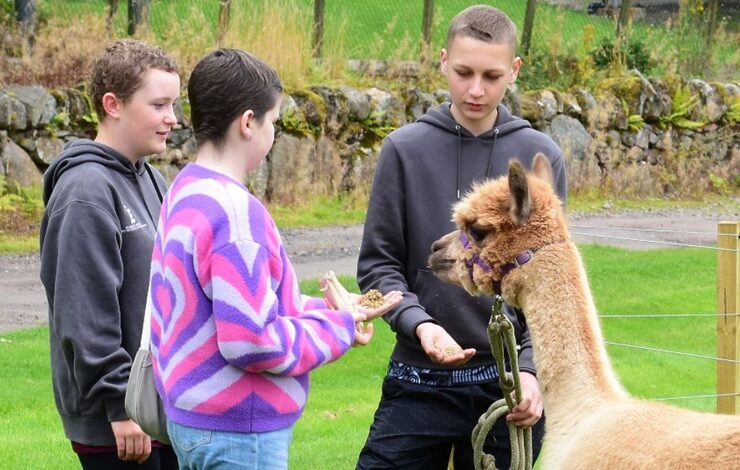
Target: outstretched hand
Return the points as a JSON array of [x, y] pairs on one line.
[[440, 347], [390, 300], [364, 333]]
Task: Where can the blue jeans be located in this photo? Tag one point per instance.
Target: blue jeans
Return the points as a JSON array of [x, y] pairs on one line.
[[202, 449]]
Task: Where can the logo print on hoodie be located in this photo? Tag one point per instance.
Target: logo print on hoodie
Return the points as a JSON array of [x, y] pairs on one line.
[[133, 224]]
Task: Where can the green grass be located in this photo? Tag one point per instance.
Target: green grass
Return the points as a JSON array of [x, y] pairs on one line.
[[595, 201], [680, 281], [344, 394], [16, 244], [319, 212]]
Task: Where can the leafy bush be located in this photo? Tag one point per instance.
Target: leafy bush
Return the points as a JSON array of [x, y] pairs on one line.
[[20, 208], [635, 57]]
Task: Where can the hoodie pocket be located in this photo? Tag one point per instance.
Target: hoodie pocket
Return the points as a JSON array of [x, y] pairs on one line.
[[463, 316]]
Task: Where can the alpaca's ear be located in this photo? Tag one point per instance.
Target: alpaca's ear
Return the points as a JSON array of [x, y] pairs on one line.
[[519, 192], [542, 169]]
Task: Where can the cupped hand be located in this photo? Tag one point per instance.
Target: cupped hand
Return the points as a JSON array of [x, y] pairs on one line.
[[528, 411], [363, 334], [132, 443], [390, 300], [440, 347]]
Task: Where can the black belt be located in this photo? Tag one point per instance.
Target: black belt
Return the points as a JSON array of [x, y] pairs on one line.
[[443, 377]]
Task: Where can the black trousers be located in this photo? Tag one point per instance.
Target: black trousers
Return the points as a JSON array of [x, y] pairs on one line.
[[161, 458], [416, 426]]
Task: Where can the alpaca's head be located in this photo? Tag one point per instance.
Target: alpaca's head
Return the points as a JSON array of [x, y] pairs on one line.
[[498, 221]]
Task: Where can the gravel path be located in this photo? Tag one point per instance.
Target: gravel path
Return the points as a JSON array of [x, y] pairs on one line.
[[314, 251]]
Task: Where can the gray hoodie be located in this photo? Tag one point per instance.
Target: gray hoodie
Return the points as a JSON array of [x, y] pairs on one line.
[[424, 168], [97, 235]]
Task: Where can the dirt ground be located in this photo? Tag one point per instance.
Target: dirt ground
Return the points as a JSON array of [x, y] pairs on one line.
[[315, 251]]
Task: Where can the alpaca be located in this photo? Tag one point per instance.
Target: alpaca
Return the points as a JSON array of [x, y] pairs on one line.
[[512, 236]]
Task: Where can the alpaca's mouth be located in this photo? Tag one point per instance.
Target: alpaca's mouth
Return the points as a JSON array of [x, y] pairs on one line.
[[441, 266]]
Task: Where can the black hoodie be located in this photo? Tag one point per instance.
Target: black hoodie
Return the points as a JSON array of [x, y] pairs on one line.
[[424, 168], [97, 235]]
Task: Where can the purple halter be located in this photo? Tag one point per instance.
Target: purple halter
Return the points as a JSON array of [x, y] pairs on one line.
[[476, 259], [522, 258]]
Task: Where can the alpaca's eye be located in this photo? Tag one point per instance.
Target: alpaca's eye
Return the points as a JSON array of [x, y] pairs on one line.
[[478, 234]]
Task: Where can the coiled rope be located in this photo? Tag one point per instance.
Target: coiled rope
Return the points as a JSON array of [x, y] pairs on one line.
[[501, 335]]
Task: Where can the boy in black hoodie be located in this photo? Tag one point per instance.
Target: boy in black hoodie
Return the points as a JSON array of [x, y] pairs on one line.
[[431, 400], [102, 204]]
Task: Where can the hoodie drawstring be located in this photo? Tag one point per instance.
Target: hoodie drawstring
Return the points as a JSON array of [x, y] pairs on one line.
[[493, 147], [459, 156]]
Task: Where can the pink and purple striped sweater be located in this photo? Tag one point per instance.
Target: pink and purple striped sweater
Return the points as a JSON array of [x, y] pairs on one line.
[[233, 340]]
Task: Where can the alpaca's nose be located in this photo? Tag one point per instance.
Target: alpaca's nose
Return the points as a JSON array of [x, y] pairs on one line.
[[438, 245]]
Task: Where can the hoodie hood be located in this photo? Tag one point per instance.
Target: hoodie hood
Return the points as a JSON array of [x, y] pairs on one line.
[[83, 151], [505, 124]]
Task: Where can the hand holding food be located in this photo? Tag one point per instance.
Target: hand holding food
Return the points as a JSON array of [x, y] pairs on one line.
[[371, 305]]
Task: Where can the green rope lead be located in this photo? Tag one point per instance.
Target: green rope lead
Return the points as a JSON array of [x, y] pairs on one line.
[[501, 335]]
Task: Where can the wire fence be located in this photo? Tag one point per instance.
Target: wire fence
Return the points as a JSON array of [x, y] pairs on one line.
[[700, 35], [653, 334]]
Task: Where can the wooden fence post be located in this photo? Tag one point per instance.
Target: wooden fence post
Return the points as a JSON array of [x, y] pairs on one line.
[[426, 30], [224, 17], [623, 20], [318, 27], [528, 25], [728, 322], [138, 15]]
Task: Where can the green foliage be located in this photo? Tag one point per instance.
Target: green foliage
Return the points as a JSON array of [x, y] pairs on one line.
[[7, 11], [24, 199], [683, 102], [634, 121], [635, 57], [291, 122], [374, 124], [60, 120], [20, 213], [732, 116], [720, 185]]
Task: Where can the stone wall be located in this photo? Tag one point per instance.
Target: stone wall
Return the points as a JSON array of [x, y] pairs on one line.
[[627, 135]]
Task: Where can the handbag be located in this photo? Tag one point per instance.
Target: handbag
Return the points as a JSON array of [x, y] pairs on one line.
[[143, 403]]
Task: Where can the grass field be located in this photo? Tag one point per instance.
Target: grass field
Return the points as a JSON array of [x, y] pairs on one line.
[[344, 394]]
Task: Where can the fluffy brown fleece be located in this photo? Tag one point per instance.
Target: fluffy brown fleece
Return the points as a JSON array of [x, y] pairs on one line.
[[592, 423]]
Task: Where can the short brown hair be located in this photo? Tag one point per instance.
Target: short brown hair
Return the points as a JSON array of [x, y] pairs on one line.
[[224, 84], [484, 23], [119, 70]]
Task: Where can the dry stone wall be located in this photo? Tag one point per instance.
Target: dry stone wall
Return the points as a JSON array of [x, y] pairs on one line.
[[637, 135]]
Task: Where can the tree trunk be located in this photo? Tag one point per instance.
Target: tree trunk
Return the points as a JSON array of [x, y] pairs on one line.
[[224, 15], [138, 13], [318, 27], [25, 15], [111, 16], [713, 13], [624, 18], [528, 25], [426, 30]]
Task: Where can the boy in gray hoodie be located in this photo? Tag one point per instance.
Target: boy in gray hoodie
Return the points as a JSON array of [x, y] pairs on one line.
[[102, 204], [431, 399]]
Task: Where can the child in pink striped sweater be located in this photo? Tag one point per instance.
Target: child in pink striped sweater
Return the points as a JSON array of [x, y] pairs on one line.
[[233, 340]]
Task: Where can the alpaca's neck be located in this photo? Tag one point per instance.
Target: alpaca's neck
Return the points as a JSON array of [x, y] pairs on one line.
[[572, 366]]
